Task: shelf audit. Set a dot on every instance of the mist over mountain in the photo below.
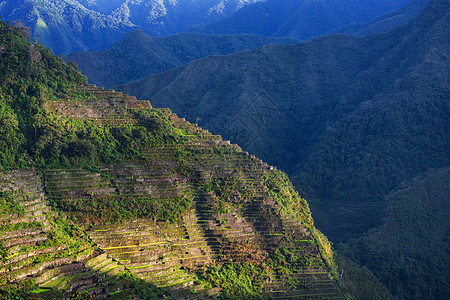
(299, 19)
(139, 55)
(349, 118)
(67, 26)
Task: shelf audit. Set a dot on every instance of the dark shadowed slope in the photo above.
(139, 55)
(410, 252)
(300, 19)
(349, 117)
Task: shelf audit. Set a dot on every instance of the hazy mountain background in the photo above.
(351, 119)
(67, 26)
(386, 21)
(139, 55)
(299, 19)
(361, 123)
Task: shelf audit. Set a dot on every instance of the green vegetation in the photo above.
(349, 119)
(8, 206)
(30, 74)
(237, 280)
(34, 135)
(139, 185)
(284, 260)
(19, 291)
(97, 209)
(282, 190)
(228, 191)
(89, 144)
(246, 266)
(142, 288)
(21, 225)
(285, 194)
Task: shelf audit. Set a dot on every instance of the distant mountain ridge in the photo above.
(349, 118)
(67, 26)
(139, 55)
(299, 19)
(387, 21)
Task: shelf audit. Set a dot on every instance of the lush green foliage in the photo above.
(69, 142)
(284, 260)
(32, 134)
(282, 190)
(29, 74)
(19, 291)
(245, 266)
(228, 191)
(8, 206)
(21, 225)
(237, 280)
(94, 209)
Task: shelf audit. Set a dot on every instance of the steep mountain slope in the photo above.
(139, 55)
(337, 89)
(103, 196)
(299, 19)
(412, 247)
(67, 26)
(387, 21)
(349, 118)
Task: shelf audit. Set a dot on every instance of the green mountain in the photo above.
(409, 253)
(349, 118)
(103, 196)
(387, 21)
(138, 55)
(299, 19)
(67, 26)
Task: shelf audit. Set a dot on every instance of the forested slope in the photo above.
(103, 196)
(387, 21)
(299, 19)
(349, 118)
(138, 55)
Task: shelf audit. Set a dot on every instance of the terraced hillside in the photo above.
(187, 212)
(43, 252)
